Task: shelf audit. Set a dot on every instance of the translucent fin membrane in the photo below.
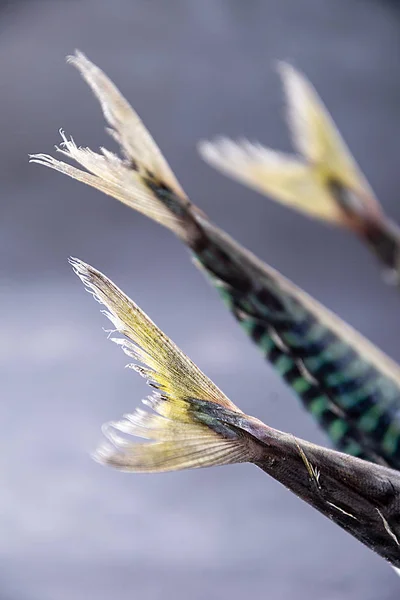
(324, 181)
(179, 440)
(281, 176)
(142, 178)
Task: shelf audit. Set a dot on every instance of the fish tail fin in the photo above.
(178, 446)
(141, 178)
(322, 180)
(283, 177)
(180, 437)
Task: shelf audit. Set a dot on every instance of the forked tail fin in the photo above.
(322, 181)
(179, 440)
(311, 181)
(142, 178)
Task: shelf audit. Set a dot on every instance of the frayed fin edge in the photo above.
(179, 438)
(127, 127)
(114, 177)
(143, 179)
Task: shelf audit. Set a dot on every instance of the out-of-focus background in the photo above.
(193, 69)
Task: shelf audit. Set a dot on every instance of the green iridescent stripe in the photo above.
(283, 364)
(301, 385)
(337, 430)
(318, 407)
(391, 440)
(342, 372)
(353, 448)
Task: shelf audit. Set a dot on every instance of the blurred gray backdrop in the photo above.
(71, 530)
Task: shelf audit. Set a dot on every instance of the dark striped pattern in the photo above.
(358, 406)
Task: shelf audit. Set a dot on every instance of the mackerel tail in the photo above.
(192, 424)
(322, 180)
(349, 386)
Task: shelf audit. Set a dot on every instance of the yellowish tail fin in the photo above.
(323, 182)
(141, 178)
(179, 440)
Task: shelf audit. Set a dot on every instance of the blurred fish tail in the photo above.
(322, 180)
(174, 445)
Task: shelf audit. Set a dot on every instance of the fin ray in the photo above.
(142, 179)
(283, 177)
(325, 182)
(179, 440)
(127, 127)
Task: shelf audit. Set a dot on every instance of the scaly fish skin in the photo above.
(352, 400)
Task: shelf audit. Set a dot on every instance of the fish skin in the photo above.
(351, 398)
(362, 498)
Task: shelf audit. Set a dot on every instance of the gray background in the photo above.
(70, 529)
